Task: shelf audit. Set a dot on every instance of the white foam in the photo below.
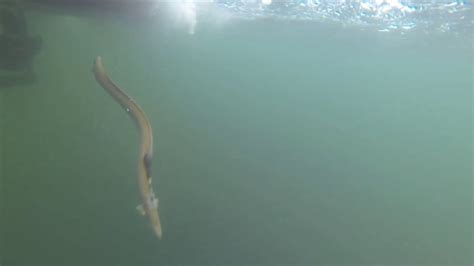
(185, 12)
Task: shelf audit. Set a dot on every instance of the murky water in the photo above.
(277, 142)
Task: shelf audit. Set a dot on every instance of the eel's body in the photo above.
(149, 206)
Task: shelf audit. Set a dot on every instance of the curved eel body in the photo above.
(149, 206)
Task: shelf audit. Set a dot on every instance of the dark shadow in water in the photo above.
(17, 48)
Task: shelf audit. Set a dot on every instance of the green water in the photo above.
(2, 180)
(276, 143)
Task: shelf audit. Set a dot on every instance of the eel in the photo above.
(149, 202)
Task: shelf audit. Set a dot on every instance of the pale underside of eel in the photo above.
(149, 203)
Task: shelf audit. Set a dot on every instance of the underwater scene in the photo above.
(243, 132)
